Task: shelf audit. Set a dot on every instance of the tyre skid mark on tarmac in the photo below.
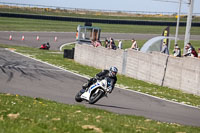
(60, 68)
(29, 71)
(28, 68)
(9, 71)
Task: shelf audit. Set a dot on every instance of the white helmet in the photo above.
(113, 71)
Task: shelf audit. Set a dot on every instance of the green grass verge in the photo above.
(69, 46)
(130, 83)
(19, 114)
(20, 24)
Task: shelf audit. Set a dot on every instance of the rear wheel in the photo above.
(78, 97)
(96, 96)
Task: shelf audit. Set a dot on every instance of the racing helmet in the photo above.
(113, 71)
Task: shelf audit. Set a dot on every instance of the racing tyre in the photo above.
(78, 97)
(96, 96)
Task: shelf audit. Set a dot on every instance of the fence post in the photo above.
(165, 68)
(124, 62)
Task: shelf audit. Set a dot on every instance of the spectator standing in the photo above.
(134, 45)
(199, 53)
(107, 43)
(112, 44)
(120, 44)
(165, 49)
(190, 50)
(177, 51)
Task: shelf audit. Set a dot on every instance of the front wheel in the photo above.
(78, 97)
(96, 96)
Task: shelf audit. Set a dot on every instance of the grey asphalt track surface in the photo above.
(65, 37)
(25, 76)
(28, 77)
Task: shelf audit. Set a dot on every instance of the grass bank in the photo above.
(19, 114)
(130, 83)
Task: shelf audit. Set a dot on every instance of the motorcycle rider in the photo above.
(45, 46)
(111, 73)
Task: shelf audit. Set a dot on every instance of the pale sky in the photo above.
(127, 5)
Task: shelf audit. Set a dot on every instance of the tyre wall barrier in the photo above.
(105, 21)
(178, 73)
(69, 53)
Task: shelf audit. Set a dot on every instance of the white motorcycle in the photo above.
(95, 92)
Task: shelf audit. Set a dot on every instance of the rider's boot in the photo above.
(110, 90)
(88, 84)
(84, 87)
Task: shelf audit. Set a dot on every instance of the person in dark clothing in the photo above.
(107, 45)
(190, 50)
(111, 73)
(112, 44)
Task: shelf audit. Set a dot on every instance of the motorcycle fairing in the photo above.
(86, 94)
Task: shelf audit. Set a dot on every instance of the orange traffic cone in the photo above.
(56, 38)
(10, 37)
(23, 38)
(37, 38)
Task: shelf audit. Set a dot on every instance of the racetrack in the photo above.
(28, 77)
(65, 37)
(30, 38)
